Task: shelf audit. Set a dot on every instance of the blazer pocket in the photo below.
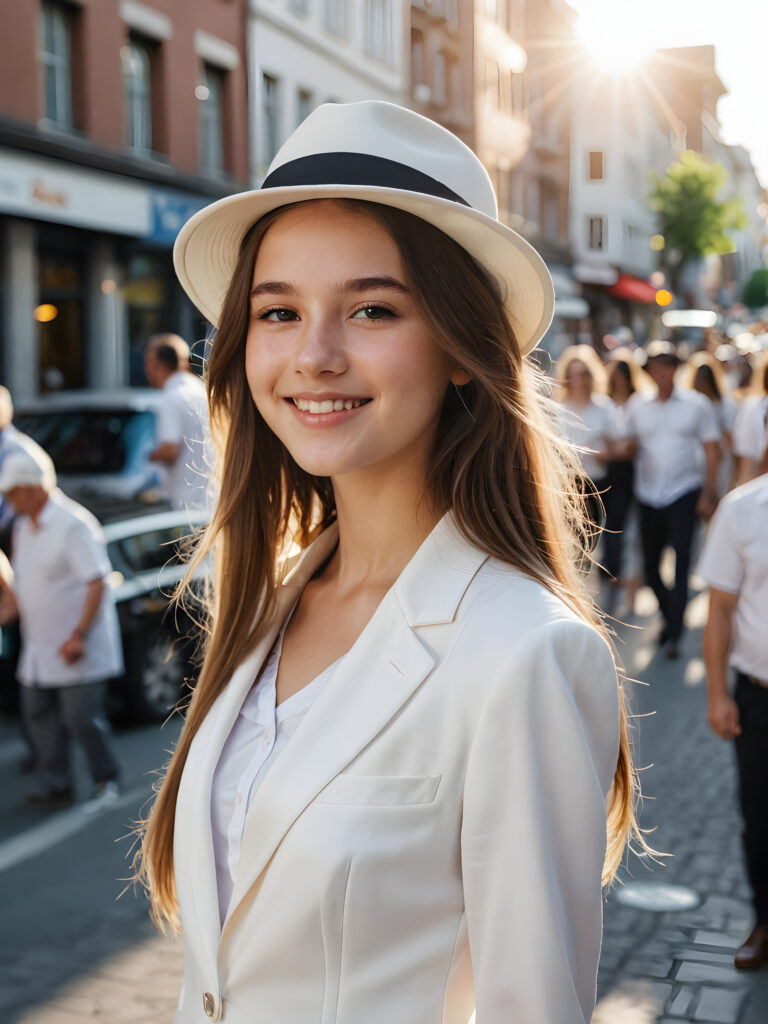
(380, 790)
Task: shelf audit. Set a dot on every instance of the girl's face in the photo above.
(339, 363)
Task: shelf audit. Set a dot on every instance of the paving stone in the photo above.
(719, 1004)
(681, 1001)
(716, 939)
(708, 974)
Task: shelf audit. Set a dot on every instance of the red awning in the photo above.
(632, 288)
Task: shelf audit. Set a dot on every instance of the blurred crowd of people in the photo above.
(661, 440)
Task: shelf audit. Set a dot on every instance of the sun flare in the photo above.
(611, 43)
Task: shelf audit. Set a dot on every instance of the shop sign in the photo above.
(52, 191)
(170, 211)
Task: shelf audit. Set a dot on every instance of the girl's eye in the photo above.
(277, 315)
(372, 312)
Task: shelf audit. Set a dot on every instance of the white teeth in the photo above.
(328, 405)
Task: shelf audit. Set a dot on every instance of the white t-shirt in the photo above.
(260, 734)
(735, 559)
(182, 419)
(670, 461)
(53, 563)
(589, 426)
(749, 427)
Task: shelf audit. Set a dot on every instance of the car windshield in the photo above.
(150, 549)
(94, 440)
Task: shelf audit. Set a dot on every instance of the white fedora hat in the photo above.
(385, 154)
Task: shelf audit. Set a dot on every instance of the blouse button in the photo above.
(239, 798)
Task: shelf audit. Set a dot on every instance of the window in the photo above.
(417, 57)
(304, 105)
(439, 78)
(453, 75)
(378, 41)
(56, 64)
(136, 61)
(596, 232)
(270, 99)
(211, 120)
(336, 16)
(595, 171)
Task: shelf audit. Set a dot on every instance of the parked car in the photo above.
(100, 442)
(158, 638)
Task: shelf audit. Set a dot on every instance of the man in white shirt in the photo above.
(735, 565)
(70, 636)
(182, 421)
(12, 440)
(675, 438)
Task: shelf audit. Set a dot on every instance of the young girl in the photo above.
(388, 802)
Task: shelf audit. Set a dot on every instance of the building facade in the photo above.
(442, 64)
(620, 135)
(118, 120)
(306, 52)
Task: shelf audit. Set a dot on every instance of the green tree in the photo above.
(755, 294)
(695, 221)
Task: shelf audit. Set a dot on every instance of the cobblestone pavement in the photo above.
(91, 957)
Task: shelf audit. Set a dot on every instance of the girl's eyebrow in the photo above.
(354, 284)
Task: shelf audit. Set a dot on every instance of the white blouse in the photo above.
(259, 735)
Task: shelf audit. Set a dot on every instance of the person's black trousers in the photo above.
(617, 501)
(671, 526)
(752, 763)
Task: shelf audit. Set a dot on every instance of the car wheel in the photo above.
(160, 671)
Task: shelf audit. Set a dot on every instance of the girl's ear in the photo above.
(460, 377)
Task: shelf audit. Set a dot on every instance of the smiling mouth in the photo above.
(328, 404)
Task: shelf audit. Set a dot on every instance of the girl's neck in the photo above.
(383, 520)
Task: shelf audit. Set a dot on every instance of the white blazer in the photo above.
(432, 838)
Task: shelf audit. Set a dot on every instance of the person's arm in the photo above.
(73, 647)
(166, 453)
(723, 714)
(533, 834)
(710, 496)
(9, 607)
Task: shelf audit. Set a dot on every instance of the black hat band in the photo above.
(357, 169)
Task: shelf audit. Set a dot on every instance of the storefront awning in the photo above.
(632, 288)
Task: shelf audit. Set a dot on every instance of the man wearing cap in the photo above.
(675, 437)
(735, 565)
(182, 421)
(70, 636)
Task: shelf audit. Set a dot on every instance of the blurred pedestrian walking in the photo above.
(13, 440)
(748, 427)
(69, 629)
(703, 373)
(586, 420)
(676, 439)
(735, 565)
(182, 445)
(620, 560)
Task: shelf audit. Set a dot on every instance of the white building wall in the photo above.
(291, 42)
(620, 125)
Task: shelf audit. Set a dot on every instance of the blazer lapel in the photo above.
(375, 678)
(196, 870)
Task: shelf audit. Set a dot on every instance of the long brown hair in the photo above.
(498, 464)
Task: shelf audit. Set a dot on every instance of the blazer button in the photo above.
(209, 1005)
